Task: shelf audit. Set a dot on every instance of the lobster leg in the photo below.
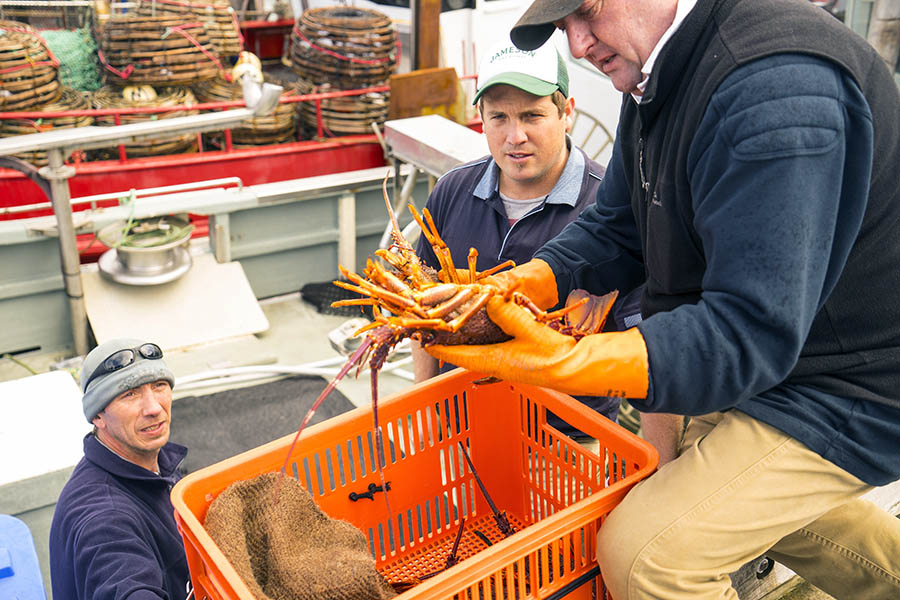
(388, 280)
(452, 304)
(473, 257)
(542, 316)
(473, 308)
(497, 269)
(367, 289)
(429, 230)
(355, 302)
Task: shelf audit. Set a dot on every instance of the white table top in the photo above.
(41, 425)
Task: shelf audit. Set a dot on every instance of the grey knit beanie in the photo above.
(105, 387)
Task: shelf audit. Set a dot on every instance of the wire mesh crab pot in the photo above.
(341, 116)
(278, 127)
(218, 17)
(69, 100)
(345, 46)
(555, 493)
(28, 69)
(164, 50)
(146, 97)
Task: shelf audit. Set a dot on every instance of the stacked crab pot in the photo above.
(277, 127)
(161, 50)
(151, 60)
(343, 48)
(29, 81)
(145, 97)
(217, 17)
(28, 70)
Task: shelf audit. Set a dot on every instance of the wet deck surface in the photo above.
(297, 336)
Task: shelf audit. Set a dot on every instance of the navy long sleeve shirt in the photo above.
(113, 534)
(779, 181)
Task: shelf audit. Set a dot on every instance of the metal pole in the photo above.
(347, 231)
(58, 173)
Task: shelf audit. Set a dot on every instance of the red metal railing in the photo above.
(117, 113)
(87, 244)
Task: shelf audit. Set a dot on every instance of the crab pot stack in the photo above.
(69, 100)
(277, 127)
(344, 48)
(348, 115)
(217, 16)
(163, 50)
(28, 70)
(145, 97)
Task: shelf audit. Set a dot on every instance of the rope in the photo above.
(186, 4)
(20, 363)
(237, 28)
(191, 39)
(121, 74)
(53, 62)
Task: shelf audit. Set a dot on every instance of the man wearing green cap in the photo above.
(113, 533)
(753, 184)
(534, 182)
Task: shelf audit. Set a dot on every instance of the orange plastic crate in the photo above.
(554, 492)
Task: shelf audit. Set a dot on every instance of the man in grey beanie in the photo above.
(113, 533)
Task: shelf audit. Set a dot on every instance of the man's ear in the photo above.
(569, 113)
(98, 421)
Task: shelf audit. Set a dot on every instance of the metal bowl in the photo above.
(150, 254)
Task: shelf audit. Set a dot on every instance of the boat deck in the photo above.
(297, 336)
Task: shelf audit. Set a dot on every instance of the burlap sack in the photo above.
(291, 550)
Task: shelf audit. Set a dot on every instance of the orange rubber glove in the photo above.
(537, 281)
(601, 364)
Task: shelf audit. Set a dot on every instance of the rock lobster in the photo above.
(431, 306)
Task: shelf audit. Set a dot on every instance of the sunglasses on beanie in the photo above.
(123, 358)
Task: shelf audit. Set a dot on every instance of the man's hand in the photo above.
(601, 364)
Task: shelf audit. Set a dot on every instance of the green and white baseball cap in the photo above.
(540, 71)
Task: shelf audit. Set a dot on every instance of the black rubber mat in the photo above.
(321, 294)
(224, 424)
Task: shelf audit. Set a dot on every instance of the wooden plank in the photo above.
(426, 92)
(426, 34)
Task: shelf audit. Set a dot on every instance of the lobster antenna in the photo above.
(499, 516)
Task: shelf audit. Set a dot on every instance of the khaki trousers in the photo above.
(739, 489)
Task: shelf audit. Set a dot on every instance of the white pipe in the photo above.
(250, 373)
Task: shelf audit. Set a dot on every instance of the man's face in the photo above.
(617, 36)
(136, 423)
(527, 138)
